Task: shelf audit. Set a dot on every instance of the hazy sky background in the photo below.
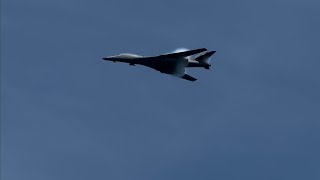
(67, 114)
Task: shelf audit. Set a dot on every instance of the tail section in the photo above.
(188, 77)
(204, 57)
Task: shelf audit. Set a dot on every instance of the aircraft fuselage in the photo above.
(174, 64)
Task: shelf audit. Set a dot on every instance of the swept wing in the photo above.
(180, 54)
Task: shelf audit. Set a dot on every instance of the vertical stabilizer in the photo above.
(205, 57)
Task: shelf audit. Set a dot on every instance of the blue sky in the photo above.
(66, 114)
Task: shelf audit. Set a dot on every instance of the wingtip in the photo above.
(212, 52)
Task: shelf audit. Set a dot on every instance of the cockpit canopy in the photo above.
(127, 56)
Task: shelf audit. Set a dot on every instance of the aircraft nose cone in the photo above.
(106, 58)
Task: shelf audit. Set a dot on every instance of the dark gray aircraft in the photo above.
(174, 63)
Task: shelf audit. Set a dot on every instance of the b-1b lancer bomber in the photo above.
(174, 63)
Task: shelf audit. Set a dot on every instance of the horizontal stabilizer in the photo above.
(188, 77)
(182, 54)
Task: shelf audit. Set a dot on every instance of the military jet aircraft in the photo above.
(174, 63)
